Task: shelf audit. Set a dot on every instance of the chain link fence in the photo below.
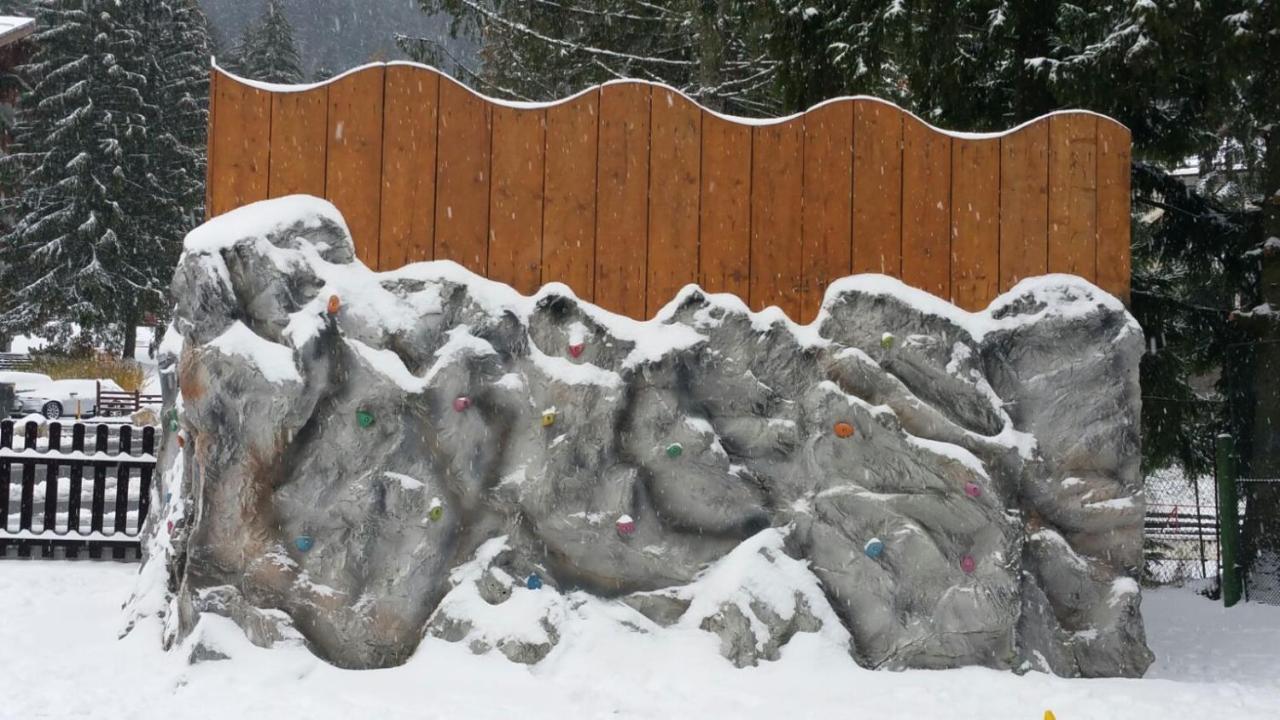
(1261, 564)
(1180, 540)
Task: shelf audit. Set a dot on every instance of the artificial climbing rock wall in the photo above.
(356, 460)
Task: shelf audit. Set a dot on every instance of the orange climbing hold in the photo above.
(334, 304)
(844, 430)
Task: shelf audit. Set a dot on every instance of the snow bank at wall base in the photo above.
(370, 458)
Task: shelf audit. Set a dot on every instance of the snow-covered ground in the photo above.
(59, 621)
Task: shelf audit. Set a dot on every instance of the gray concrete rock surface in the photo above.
(342, 448)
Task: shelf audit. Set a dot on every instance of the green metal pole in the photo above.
(1229, 520)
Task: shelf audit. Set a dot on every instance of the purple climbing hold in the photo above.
(968, 564)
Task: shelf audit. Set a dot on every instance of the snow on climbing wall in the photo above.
(366, 458)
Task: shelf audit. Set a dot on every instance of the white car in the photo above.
(42, 395)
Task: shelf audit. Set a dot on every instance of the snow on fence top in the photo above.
(628, 191)
(13, 29)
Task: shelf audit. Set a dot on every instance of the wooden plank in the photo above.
(877, 188)
(674, 181)
(975, 222)
(1113, 261)
(210, 153)
(724, 238)
(569, 211)
(1024, 204)
(515, 205)
(462, 177)
(777, 190)
(241, 149)
(353, 180)
(410, 116)
(926, 208)
(299, 132)
(623, 197)
(1073, 186)
(827, 215)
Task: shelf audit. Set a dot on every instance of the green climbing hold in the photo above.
(364, 418)
(436, 513)
(674, 450)
(172, 417)
(886, 341)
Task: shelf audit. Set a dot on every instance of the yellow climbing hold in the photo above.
(1048, 715)
(548, 418)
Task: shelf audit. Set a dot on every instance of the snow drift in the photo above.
(354, 460)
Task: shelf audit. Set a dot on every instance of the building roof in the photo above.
(13, 28)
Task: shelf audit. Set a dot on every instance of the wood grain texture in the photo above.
(569, 215)
(975, 222)
(827, 217)
(1024, 204)
(462, 177)
(629, 191)
(926, 208)
(777, 191)
(724, 250)
(674, 180)
(353, 178)
(877, 188)
(299, 142)
(409, 167)
(515, 205)
(1114, 168)
(1073, 187)
(241, 149)
(622, 202)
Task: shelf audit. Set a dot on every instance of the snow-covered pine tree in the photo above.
(181, 85)
(713, 50)
(267, 50)
(93, 242)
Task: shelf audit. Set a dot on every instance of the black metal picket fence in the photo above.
(86, 491)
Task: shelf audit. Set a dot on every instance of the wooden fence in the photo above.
(628, 191)
(46, 488)
(12, 361)
(123, 402)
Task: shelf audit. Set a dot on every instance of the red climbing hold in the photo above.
(972, 489)
(576, 349)
(626, 525)
(968, 564)
(462, 402)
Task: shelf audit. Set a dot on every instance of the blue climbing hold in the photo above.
(534, 582)
(874, 548)
(304, 543)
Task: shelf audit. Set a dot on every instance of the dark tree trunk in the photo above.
(1262, 499)
(130, 337)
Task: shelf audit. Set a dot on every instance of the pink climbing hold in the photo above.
(972, 489)
(576, 349)
(968, 564)
(462, 402)
(170, 527)
(626, 525)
